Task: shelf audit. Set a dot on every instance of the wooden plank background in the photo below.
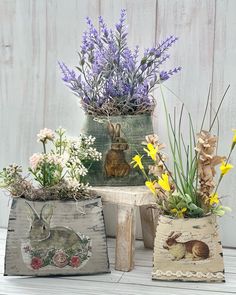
(35, 34)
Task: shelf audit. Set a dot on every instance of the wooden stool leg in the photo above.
(149, 223)
(125, 237)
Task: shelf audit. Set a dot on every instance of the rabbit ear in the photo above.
(31, 214)
(46, 212)
(117, 130)
(111, 130)
(171, 234)
(177, 236)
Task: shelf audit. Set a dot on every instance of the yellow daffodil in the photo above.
(137, 161)
(164, 182)
(214, 199)
(234, 138)
(225, 168)
(151, 151)
(179, 213)
(151, 186)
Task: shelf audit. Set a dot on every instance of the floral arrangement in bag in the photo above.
(191, 190)
(58, 173)
(111, 79)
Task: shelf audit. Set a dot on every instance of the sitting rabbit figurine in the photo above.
(43, 237)
(194, 249)
(115, 162)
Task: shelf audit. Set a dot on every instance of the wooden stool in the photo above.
(128, 199)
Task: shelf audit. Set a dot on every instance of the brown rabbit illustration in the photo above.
(43, 236)
(195, 249)
(115, 162)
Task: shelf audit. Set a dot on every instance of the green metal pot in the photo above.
(119, 140)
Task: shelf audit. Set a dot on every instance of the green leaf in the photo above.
(220, 210)
(143, 61)
(79, 69)
(195, 211)
(82, 61)
(188, 198)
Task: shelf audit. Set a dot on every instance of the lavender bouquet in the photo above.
(111, 79)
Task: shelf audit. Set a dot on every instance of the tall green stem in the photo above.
(44, 147)
(170, 141)
(217, 111)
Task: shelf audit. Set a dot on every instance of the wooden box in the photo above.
(56, 238)
(188, 249)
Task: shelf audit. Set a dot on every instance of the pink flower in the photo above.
(45, 134)
(55, 159)
(36, 263)
(75, 261)
(60, 259)
(35, 160)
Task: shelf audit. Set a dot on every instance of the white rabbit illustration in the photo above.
(194, 249)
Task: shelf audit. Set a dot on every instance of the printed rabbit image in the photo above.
(115, 162)
(44, 237)
(194, 249)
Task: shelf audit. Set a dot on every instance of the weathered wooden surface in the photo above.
(138, 196)
(70, 222)
(125, 238)
(127, 199)
(130, 195)
(32, 94)
(135, 282)
(22, 82)
(224, 67)
(34, 37)
(148, 217)
(188, 250)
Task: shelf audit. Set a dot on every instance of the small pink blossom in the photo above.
(45, 134)
(36, 263)
(55, 159)
(35, 160)
(75, 261)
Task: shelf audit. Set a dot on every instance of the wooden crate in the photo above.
(56, 238)
(188, 249)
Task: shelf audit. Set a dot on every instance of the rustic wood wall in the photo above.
(35, 34)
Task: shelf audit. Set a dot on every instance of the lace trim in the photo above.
(189, 274)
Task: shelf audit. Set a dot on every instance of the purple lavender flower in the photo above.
(120, 24)
(69, 75)
(165, 45)
(103, 27)
(110, 72)
(166, 75)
